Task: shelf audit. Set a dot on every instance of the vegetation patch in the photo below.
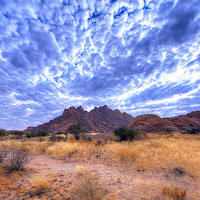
(89, 187)
(125, 133)
(175, 193)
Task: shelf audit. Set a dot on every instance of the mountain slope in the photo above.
(101, 120)
(154, 123)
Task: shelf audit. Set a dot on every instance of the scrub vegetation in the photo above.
(100, 170)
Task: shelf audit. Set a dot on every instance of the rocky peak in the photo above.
(117, 111)
(154, 123)
(194, 114)
(101, 119)
(80, 109)
(104, 109)
(71, 110)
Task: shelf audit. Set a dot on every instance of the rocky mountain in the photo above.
(154, 123)
(100, 120)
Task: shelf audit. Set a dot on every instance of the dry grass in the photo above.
(27, 145)
(9, 184)
(63, 150)
(156, 152)
(81, 170)
(160, 153)
(89, 187)
(40, 184)
(175, 193)
(111, 196)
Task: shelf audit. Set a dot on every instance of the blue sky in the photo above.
(137, 56)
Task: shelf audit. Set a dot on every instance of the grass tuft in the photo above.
(175, 193)
(39, 185)
(89, 187)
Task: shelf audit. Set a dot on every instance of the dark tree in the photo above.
(125, 133)
(76, 130)
(3, 132)
(168, 131)
(193, 131)
(38, 134)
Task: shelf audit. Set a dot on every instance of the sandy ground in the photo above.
(125, 181)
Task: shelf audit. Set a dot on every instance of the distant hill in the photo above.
(100, 120)
(154, 123)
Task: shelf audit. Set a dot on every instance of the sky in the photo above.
(137, 56)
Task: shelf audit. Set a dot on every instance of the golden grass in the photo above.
(81, 170)
(9, 183)
(175, 193)
(159, 153)
(63, 150)
(89, 187)
(156, 152)
(26, 145)
(111, 196)
(40, 184)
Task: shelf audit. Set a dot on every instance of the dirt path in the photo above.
(126, 183)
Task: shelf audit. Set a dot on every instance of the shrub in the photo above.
(3, 132)
(193, 131)
(17, 133)
(39, 184)
(38, 134)
(179, 171)
(175, 193)
(16, 160)
(168, 131)
(86, 137)
(99, 142)
(89, 187)
(111, 196)
(3, 153)
(76, 130)
(55, 138)
(42, 133)
(125, 133)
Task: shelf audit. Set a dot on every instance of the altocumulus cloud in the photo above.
(137, 56)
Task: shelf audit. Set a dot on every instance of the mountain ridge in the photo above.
(101, 120)
(154, 123)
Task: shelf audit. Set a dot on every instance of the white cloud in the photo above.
(60, 53)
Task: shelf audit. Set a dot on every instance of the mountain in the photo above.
(154, 123)
(100, 120)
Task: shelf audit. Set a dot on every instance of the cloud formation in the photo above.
(137, 56)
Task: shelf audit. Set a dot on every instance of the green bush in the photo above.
(3, 132)
(42, 133)
(38, 134)
(168, 131)
(76, 130)
(193, 131)
(18, 133)
(125, 133)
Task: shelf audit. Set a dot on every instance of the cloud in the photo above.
(137, 56)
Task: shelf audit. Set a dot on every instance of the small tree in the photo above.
(193, 131)
(16, 159)
(168, 131)
(76, 130)
(42, 133)
(125, 133)
(3, 132)
(37, 134)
